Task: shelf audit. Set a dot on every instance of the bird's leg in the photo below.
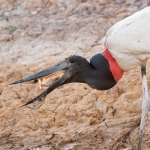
(145, 105)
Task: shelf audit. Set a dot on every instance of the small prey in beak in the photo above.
(48, 80)
(75, 69)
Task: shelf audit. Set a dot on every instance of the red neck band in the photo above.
(117, 72)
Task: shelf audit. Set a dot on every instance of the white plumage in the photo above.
(129, 40)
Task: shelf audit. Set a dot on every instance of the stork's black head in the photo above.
(97, 74)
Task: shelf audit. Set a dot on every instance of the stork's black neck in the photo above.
(105, 73)
(102, 73)
(99, 75)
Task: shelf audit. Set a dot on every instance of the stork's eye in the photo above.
(72, 60)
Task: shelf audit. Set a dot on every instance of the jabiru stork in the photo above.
(126, 46)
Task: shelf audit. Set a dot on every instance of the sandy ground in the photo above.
(38, 33)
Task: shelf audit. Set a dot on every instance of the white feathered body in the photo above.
(128, 41)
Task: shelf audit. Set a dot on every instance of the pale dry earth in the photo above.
(38, 33)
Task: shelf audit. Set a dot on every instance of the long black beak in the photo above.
(57, 67)
(63, 65)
